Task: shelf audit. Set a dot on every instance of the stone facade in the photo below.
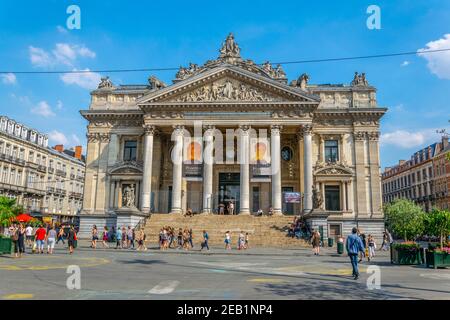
(323, 138)
(45, 181)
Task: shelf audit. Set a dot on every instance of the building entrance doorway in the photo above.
(229, 190)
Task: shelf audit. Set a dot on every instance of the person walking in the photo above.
(94, 237)
(29, 235)
(205, 240)
(354, 246)
(71, 239)
(21, 241)
(363, 240)
(231, 208)
(246, 245)
(227, 241)
(191, 237)
(40, 239)
(105, 237)
(124, 238)
(241, 241)
(372, 246)
(51, 240)
(315, 241)
(61, 235)
(14, 235)
(118, 238)
(384, 244)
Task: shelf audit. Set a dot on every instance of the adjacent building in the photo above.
(46, 181)
(423, 179)
(324, 139)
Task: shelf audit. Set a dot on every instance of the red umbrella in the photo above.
(24, 217)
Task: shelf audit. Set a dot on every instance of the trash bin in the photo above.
(330, 242)
(340, 246)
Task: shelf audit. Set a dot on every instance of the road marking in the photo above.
(266, 280)
(436, 276)
(18, 296)
(82, 262)
(164, 287)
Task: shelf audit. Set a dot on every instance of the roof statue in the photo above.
(230, 48)
(360, 80)
(105, 83)
(155, 83)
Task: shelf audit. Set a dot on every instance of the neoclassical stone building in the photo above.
(323, 138)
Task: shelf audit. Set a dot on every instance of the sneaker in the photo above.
(356, 277)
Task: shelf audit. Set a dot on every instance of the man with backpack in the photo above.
(354, 245)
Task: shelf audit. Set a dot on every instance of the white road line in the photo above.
(164, 287)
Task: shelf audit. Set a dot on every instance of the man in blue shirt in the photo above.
(205, 240)
(118, 238)
(354, 245)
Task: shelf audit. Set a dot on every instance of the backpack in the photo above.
(15, 235)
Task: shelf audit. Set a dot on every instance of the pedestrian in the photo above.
(133, 237)
(246, 245)
(71, 239)
(180, 238)
(105, 237)
(363, 240)
(371, 246)
(227, 241)
(354, 246)
(186, 239)
(221, 208)
(94, 237)
(40, 239)
(51, 240)
(124, 238)
(29, 235)
(240, 241)
(61, 235)
(14, 235)
(205, 240)
(21, 241)
(385, 243)
(315, 241)
(191, 242)
(231, 208)
(118, 238)
(129, 237)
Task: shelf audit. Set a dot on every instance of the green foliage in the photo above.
(404, 218)
(437, 223)
(7, 210)
(406, 246)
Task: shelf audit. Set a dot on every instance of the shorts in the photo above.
(40, 243)
(29, 238)
(51, 243)
(94, 238)
(71, 243)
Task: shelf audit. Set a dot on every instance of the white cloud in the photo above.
(406, 139)
(405, 63)
(39, 57)
(62, 54)
(43, 109)
(9, 78)
(59, 105)
(75, 139)
(438, 62)
(58, 137)
(61, 29)
(87, 80)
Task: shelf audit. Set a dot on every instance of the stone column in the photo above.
(112, 185)
(244, 146)
(360, 164)
(344, 196)
(177, 172)
(275, 155)
(208, 160)
(308, 174)
(375, 175)
(146, 189)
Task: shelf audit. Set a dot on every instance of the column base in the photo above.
(176, 211)
(244, 213)
(277, 213)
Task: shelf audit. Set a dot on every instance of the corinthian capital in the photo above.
(373, 136)
(307, 129)
(360, 135)
(276, 129)
(178, 129)
(149, 129)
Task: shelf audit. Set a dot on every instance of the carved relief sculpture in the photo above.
(129, 197)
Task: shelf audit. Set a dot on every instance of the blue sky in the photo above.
(146, 34)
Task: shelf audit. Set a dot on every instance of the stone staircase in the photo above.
(263, 231)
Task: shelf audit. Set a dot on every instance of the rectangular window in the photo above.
(332, 198)
(129, 153)
(331, 150)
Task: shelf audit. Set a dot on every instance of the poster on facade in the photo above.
(192, 164)
(260, 158)
(292, 197)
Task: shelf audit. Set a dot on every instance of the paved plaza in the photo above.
(218, 274)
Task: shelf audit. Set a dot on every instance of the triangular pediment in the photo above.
(227, 84)
(126, 167)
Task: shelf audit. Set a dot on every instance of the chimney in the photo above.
(444, 142)
(59, 147)
(78, 150)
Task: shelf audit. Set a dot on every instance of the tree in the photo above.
(7, 211)
(437, 223)
(404, 218)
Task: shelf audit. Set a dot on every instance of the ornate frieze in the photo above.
(292, 114)
(166, 115)
(98, 137)
(227, 90)
(335, 168)
(360, 135)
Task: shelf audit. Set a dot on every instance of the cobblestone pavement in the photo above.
(218, 274)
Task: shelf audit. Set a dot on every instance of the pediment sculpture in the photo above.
(360, 80)
(129, 197)
(105, 83)
(227, 90)
(329, 168)
(230, 48)
(127, 167)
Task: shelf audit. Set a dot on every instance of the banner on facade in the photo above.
(292, 197)
(193, 170)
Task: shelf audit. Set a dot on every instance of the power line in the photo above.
(385, 55)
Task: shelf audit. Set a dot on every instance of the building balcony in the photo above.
(42, 168)
(50, 190)
(32, 165)
(75, 195)
(51, 170)
(80, 178)
(72, 176)
(61, 173)
(61, 192)
(35, 191)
